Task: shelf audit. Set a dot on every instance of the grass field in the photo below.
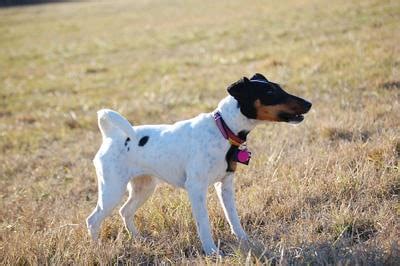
(325, 191)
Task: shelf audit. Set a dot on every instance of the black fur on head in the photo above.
(259, 77)
(248, 91)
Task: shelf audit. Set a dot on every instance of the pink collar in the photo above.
(226, 131)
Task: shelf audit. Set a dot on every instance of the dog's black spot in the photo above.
(243, 134)
(127, 140)
(229, 157)
(143, 141)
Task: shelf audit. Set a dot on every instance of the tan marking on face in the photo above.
(270, 112)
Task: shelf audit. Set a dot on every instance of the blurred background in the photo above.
(10, 3)
(325, 191)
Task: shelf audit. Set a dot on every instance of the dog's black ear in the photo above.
(238, 89)
(259, 76)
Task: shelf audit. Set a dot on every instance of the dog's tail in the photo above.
(111, 123)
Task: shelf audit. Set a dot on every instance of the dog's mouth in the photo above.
(291, 118)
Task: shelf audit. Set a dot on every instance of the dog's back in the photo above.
(163, 151)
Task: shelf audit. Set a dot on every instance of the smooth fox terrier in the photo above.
(190, 154)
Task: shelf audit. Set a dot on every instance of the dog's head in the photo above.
(261, 99)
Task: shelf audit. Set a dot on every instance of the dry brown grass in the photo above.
(326, 191)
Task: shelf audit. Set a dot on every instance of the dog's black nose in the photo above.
(307, 105)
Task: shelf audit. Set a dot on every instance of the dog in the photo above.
(190, 154)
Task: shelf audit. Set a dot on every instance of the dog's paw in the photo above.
(135, 236)
(217, 254)
(212, 250)
(255, 247)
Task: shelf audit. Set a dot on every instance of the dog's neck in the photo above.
(233, 117)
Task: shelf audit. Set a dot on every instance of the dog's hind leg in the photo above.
(111, 188)
(140, 189)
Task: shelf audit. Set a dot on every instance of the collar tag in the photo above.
(242, 156)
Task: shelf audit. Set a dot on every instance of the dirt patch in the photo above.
(336, 134)
(390, 85)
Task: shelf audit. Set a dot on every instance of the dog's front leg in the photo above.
(226, 195)
(197, 194)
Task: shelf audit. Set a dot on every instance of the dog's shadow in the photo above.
(323, 253)
(253, 250)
